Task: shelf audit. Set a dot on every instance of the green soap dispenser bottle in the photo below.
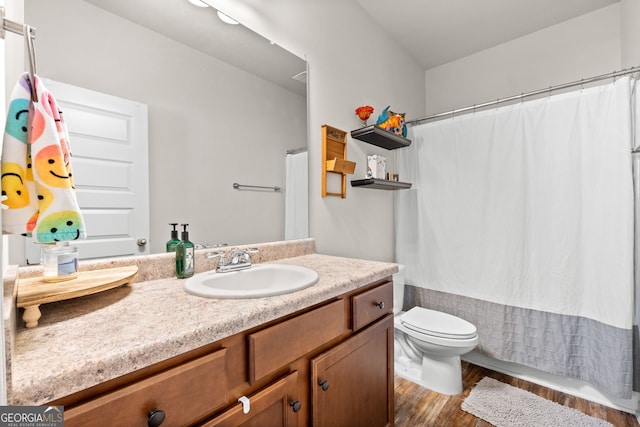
(171, 244)
(185, 260)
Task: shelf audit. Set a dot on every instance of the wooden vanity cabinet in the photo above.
(329, 365)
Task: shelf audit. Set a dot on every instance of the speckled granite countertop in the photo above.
(89, 340)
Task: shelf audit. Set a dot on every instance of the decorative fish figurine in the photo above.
(393, 122)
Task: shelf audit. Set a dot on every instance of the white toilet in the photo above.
(428, 344)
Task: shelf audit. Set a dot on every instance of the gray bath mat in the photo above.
(506, 406)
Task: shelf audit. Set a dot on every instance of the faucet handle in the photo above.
(242, 255)
(249, 251)
(220, 254)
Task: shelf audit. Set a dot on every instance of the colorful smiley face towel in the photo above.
(37, 180)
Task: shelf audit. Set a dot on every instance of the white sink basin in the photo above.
(261, 280)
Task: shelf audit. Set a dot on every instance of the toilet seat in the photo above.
(438, 324)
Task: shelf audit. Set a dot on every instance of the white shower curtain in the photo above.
(521, 221)
(296, 222)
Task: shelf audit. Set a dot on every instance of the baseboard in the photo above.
(571, 386)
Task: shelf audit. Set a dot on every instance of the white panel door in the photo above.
(109, 145)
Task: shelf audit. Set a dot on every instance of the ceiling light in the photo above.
(224, 18)
(198, 3)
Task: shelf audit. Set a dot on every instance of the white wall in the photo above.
(215, 123)
(351, 63)
(583, 47)
(630, 16)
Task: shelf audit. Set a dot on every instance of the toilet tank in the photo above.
(398, 289)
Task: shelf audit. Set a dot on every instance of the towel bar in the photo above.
(239, 186)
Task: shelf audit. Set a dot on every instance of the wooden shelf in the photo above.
(341, 166)
(334, 159)
(380, 184)
(375, 135)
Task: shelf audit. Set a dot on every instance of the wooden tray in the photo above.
(34, 291)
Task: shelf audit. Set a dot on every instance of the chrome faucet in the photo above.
(240, 260)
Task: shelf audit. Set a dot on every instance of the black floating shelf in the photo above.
(380, 184)
(375, 135)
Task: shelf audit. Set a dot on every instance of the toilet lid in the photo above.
(437, 323)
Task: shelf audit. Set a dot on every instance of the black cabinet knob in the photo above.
(379, 304)
(295, 405)
(155, 417)
(324, 385)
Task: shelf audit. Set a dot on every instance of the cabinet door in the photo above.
(273, 406)
(352, 384)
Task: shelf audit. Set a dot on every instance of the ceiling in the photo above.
(436, 32)
(200, 28)
(432, 32)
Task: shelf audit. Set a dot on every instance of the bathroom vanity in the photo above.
(322, 356)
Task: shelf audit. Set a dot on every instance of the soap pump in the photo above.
(171, 244)
(185, 260)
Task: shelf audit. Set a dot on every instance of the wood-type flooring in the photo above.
(417, 406)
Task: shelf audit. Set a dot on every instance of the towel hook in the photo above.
(31, 59)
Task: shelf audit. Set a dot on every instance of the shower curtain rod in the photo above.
(550, 89)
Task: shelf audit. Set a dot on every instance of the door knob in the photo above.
(295, 405)
(379, 304)
(155, 417)
(142, 242)
(324, 385)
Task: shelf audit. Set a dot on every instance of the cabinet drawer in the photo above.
(372, 305)
(186, 394)
(273, 348)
